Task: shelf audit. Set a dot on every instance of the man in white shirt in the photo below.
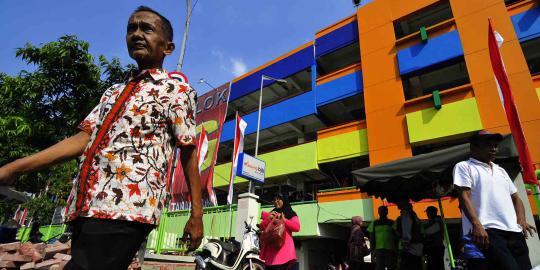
(494, 213)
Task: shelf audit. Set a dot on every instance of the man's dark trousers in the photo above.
(507, 251)
(105, 244)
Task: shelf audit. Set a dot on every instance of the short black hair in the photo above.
(166, 26)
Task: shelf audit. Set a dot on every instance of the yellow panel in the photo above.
(452, 119)
(342, 146)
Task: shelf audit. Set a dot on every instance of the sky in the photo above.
(226, 38)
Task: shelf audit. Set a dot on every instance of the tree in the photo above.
(42, 107)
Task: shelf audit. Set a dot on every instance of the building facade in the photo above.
(394, 80)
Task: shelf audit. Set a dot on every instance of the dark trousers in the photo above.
(435, 257)
(355, 265)
(278, 267)
(410, 261)
(105, 244)
(507, 251)
(385, 259)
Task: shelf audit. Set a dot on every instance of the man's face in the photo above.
(485, 150)
(147, 43)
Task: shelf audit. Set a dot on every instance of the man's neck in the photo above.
(488, 162)
(142, 66)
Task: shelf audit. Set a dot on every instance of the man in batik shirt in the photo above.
(125, 146)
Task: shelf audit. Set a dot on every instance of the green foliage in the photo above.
(42, 107)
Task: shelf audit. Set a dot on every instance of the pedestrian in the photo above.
(409, 231)
(383, 241)
(357, 244)
(124, 145)
(284, 257)
(494, 214)
(434, 240)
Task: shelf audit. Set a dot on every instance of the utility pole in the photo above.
(184, 38)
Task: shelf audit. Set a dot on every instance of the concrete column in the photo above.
(248, 211)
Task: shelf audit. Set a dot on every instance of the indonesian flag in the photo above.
(23, 216)
(495, 41)
(238, 148)
(202, 147)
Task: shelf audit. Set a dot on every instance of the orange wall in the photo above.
(472, 22)
(385, 104)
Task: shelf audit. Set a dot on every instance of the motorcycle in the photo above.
(232, 255)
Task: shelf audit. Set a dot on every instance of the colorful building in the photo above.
(394, 80)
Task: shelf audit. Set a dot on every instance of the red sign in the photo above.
(211, 112)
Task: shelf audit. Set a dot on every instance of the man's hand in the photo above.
(480, 236)
(193, 232)
(527, 229)
(7, 175)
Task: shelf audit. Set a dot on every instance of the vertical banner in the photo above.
(211, 113)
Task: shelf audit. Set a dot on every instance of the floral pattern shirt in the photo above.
(127, 175)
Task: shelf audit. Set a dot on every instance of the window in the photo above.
(424, 82)
(426, 17)
(338, 59)
(531, 50)
(297, 83)
(511, 2)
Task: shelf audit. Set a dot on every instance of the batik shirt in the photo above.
(127, 177)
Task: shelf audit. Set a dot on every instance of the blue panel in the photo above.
(527, 24)
(281, 69)
(436, 50)
(279, 113)
(336, 39)
(339, 88)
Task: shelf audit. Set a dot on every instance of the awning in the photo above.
(420, 177)
(7, 194)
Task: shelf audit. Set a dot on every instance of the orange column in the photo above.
(383, 91)
(472, 22)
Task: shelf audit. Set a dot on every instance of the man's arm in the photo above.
(66, 149)
(479, 234)
(520, 213)
(194, 226)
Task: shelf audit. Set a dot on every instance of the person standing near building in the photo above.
(383, 241)
(494, 213)
(357, 244)
(124, 145)
(409, 231)
(433, 240)
(284, 257)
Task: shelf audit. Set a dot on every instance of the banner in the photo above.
(495, 40)
(211, 113)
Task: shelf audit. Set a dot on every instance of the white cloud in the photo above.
(238, 66)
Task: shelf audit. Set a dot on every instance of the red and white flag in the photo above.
(16, 215)
(23, 216)
(495, 41)
(202, 147)
(238, 148)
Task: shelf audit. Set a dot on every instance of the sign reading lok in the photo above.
(251, 168)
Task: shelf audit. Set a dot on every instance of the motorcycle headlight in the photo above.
(255, 242)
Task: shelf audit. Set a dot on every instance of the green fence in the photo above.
(47, 232)
(167, 237)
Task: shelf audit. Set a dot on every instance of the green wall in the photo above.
(294, 159)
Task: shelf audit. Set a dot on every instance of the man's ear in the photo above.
(169, 48)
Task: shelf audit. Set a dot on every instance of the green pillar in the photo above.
(446, 237)
(160, 233)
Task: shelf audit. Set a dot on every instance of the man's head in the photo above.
(149, 37)
(383, 211)
(404, 204)
(484, 145)
(431, 212)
